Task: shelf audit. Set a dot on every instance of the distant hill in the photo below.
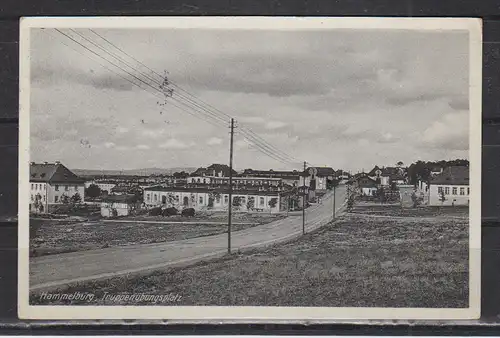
(132, 172)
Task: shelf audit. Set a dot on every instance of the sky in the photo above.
(349, 99)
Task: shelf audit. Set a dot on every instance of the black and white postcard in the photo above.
(250, 169)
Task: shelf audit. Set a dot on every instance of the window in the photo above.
(468, 191)
(32, 186)
(56, 198)
(148, 197)
(261, 201)
(454, 190)
(226, 199)
(32, 197)
(201, 199)
(217, 198)
(57, 188)
(462, 191)
(43, 197)
(76, 187)
(66, 188)
(440, 190)
(156, 197)
(177, 198)
(446, 190)
(243, 200)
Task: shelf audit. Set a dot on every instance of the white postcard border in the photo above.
(251, 314)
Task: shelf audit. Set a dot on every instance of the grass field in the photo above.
(56, 236)
(358, 261)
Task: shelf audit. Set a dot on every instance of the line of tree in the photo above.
(421, 170)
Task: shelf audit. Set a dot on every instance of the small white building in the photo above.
(451, 187)
(52, 184)
(117, 205)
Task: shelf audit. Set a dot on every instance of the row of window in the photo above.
(56, 198)
(37, 186)
(201, 199)
(237, 181)
(66, 187)
(454, 191)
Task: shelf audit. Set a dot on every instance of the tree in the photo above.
(64, 199)
(400, 164)
(38, 203)
(272, 202)
(442, 197)
(236, 201)
(330, 184)
(75, 199)
(415, 199)
(170, 198)
(93, 191)
(250, 203)
(381, 194)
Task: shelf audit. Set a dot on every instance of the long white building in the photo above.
(202, 198)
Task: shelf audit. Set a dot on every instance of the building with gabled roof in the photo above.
(386, 176)
(451, 187)
(53, 184)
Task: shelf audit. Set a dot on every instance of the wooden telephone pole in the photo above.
(304, 201)
(230, 207)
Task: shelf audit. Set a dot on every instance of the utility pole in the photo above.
(304, 201)
(230, 188)
(334, 201)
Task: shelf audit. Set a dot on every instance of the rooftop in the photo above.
(454, 175)
(53, 173)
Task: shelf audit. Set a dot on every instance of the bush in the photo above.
(155, 211)
(188, 212)
(170, 212)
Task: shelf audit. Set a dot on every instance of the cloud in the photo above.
(143, 147)
(275, 124)
(153, 133)
(214, 141)
(450, 132)
(175, 144)
(459, 103)
(122, 148)
(242, 144)
(252, 119)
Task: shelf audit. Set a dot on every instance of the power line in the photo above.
(138, 85)
(257, 139)
(117, 66)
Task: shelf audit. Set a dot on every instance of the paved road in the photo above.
(50, 271)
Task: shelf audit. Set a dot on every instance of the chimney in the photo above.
(57, 162)
(32, 163)
(45, 162)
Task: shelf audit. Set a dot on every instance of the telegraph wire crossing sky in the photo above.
(348, 99)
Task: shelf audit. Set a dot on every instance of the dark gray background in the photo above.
(11, 10)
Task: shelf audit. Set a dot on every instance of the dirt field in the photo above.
(55, 236)
(356, 261)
